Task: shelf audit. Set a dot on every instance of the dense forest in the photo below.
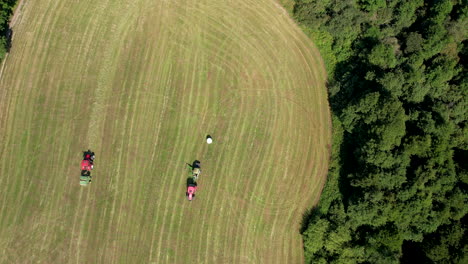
(6, 10)
(398, 181)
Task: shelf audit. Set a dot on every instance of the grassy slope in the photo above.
(142, 83)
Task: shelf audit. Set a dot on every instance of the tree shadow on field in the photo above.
(9, 37)
(5, 42)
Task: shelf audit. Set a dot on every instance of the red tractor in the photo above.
(87, 165)
(194, 172)
(191, 188)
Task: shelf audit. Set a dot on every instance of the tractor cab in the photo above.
(88, 155)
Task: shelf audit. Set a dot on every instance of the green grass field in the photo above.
(142, 83)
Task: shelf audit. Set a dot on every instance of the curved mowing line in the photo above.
(161, 75)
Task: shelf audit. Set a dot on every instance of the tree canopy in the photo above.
(6, 9)
(397, 185)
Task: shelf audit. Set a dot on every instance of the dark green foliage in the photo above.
(447, 245)
(397, 185)
(6, 9)
(382, 55)
(414, 42)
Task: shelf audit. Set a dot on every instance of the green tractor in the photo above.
(195, 169)
(85, 177)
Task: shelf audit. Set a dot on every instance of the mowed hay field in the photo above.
(142, 83)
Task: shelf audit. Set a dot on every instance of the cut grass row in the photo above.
(142, 83)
